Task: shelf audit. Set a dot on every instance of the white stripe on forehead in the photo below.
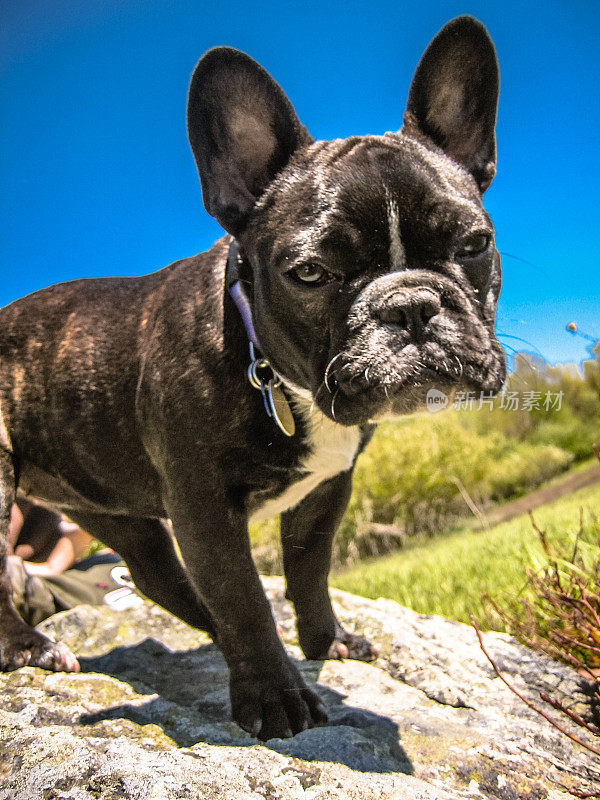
(397, 254)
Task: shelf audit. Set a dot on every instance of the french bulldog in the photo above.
(355, 275)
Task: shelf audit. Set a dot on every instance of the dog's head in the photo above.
(369, 262)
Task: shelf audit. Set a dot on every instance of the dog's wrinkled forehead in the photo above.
(385, 199)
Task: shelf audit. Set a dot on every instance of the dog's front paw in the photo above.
(31, 649)
(270, 707)
(328, 639)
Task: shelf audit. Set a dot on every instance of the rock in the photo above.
(148, 717)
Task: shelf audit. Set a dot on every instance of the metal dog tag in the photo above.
(276, 403)
(280, 408)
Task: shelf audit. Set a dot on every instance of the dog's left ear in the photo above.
(454, 96)
(242, 130)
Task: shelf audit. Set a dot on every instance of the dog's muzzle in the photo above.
(408, 333)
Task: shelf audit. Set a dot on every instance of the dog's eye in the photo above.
(475, 245)
(311, 273)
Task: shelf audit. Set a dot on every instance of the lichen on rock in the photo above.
(149, 716)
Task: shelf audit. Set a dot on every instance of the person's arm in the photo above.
(71, 547)
(15, 525)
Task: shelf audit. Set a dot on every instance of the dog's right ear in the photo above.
(242, 130)
(454, 95)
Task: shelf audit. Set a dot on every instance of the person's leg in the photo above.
(39, 532)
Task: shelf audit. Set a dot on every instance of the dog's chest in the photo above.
(332, 449)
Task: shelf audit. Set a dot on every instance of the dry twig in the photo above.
(528, 702)
(558, 705)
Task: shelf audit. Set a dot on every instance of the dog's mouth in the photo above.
(380, 384)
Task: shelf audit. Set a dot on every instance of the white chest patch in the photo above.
(333, 448)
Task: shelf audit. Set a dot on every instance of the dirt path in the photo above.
(533, 500)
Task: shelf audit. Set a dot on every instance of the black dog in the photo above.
(364, 273)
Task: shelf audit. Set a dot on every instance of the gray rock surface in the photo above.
(148, 717)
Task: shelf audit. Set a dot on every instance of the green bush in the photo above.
(573, 426)
(412, 474)
(566, 431)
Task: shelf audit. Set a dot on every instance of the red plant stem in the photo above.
(587, 604)
(577, 663)
(527, 702)
(560, 706)
(562, 638)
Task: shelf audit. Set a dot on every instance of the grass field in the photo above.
(449, 575)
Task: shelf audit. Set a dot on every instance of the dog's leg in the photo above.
(20, 644)
(306, 535)
(147, 548)
(268, 695)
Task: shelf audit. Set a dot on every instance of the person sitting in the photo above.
(50, 570)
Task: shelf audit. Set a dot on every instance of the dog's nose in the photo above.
(410, 310)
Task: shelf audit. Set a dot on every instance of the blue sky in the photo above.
(97, 177)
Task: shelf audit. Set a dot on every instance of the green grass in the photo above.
(449, 576)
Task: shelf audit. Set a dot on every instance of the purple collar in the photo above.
(238, 293)
(261, 374)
